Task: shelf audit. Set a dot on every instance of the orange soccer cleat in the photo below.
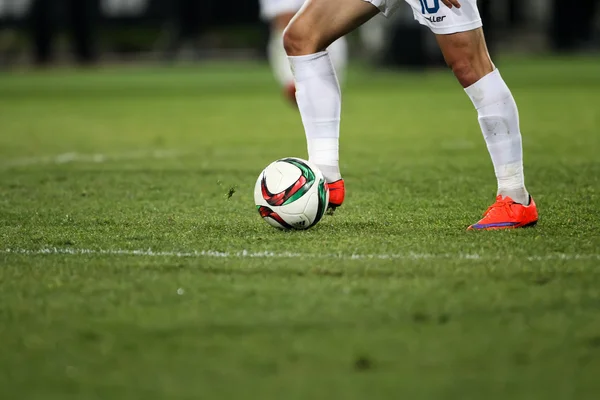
(337, 193)
(506, 214)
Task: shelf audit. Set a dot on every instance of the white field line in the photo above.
(97, 158)
(245, 254)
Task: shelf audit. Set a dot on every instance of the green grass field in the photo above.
(128, 272)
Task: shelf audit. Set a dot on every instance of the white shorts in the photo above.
(269, 9)
(434, 14)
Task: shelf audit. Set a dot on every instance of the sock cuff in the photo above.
(308, 57)
(488, 90)
(312, 65)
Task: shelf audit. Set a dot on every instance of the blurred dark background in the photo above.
(47, 32)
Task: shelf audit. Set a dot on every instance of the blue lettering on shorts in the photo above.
(430, 10)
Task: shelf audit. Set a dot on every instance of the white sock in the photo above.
(278, 59)
(338, 51)
(499, 121)
(320, 102)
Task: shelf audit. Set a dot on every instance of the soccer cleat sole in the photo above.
(499, 228)
(530, 225)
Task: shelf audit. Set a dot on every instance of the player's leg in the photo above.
(466, 53)
(461, 39)
(318, 24)
(279, 13)
(277, 57)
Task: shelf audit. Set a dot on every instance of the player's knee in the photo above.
(468, 57)
(465, 71)
(298, 41)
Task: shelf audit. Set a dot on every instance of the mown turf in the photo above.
(139, 159)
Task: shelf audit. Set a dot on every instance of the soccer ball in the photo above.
(291, 193)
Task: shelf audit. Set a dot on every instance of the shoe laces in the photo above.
(502, 206)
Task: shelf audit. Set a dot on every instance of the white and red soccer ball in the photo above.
(291, 193)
